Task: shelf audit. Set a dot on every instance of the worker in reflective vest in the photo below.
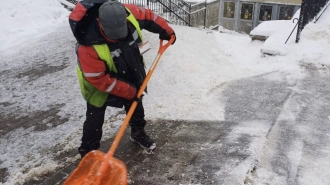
(110, 67)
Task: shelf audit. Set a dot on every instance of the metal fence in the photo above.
(309, 11)
(173, 11)
(176, 12)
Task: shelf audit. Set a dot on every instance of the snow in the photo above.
(192, 73)
(267, 28)
(280, 31)
(23, 21)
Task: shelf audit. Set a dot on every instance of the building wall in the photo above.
(244, 15)
(213, 16)
(293, 2)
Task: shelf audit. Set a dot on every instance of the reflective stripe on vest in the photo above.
(91, 94)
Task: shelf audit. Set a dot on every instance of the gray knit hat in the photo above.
(112, 16)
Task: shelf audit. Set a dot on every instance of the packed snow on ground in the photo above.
(199, 61)
(23, 21)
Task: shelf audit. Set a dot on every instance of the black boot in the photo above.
(82, 151)
(139, 136)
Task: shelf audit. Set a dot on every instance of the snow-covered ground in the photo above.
(36, 37)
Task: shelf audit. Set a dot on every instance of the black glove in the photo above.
(165, 36)
(138, 99)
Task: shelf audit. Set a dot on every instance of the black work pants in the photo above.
(92, 130)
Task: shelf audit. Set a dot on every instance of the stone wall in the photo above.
(197, 16)
(200, 17)
(212, 14)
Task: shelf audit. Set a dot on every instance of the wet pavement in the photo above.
(255, 133)
(223, 152)
(199, 152)
(179, 151)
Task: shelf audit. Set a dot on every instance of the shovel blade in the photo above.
(87, 172)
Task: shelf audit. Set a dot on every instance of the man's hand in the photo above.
(138, 99)
(165, 36)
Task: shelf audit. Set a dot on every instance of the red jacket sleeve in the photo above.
(149, 20)
(94, 70)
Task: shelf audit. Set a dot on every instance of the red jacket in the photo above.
(87, 32)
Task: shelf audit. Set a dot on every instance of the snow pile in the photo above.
(23, 20)
(317, 37)
(267, 28)
(277, 32)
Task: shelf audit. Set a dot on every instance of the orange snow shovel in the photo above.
(98, 168)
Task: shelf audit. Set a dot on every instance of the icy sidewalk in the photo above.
(203, 152)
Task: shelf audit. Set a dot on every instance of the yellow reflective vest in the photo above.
(90, 93)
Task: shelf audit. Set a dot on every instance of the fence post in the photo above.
(293, 29)
(189, 14)
(205, 14)
(301, 20)
(170, 8)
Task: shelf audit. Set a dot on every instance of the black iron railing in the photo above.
(173, 11)
(178, 12)
(309, 12)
